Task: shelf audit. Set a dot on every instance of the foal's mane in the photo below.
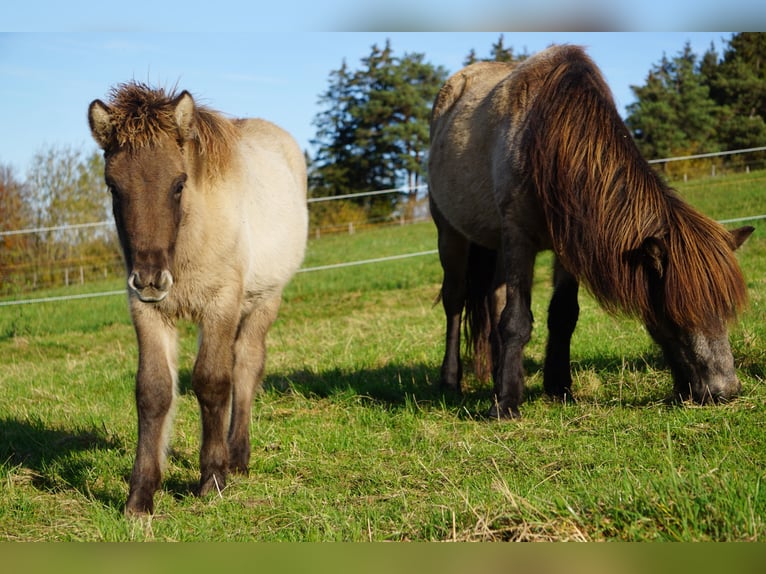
(603, 203)
(142, 115)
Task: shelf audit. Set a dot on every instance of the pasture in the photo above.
(351, 442)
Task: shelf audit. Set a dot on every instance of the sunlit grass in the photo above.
(350, 440)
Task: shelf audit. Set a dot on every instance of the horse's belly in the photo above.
(475, 219)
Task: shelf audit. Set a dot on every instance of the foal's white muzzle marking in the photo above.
(152, 293)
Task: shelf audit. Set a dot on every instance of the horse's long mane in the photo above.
(602, 201)
(141, 115)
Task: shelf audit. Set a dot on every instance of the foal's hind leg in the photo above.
(562, 319)
(249, 361)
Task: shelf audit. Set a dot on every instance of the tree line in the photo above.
(691, 104)
(372, 134)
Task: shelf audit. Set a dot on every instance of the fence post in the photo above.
(82, 276)
(66, 276)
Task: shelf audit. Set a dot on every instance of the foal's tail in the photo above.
(478, 314)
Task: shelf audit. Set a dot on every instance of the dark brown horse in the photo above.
(534, 156)
(212, 219)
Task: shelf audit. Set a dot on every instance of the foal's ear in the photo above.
(740, 235)
(100, 120)
(184, 114)
(655, 254)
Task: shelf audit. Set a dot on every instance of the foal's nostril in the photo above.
(165, 280)
(151, 287)
(134, 281)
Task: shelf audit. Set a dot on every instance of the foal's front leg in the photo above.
(155, 389)
(211, 380)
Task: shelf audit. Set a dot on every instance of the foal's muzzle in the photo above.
(150, 287)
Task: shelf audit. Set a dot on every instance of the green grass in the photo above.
(350, 441)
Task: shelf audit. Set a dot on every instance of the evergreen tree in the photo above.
(674, 113)
(738, 86)
(498, 53)
(373, 132)
(331, 169)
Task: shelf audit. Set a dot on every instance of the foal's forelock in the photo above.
(143, 117)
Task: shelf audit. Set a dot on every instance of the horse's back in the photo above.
(463, 138)
(271, 211)
(476, 162)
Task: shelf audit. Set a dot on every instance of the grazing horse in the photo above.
(212, 219)
(534, 156)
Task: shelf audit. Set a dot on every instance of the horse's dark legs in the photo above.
(211, 380)
(453, 253)
(515, 326)
(562, 319)
(155, 383)
(249, 361)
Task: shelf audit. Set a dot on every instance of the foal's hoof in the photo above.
(138, 505)
(497, 412)
(214, 483)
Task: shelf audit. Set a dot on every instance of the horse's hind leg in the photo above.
(249, 361)
(515, 325)
(562, 319)
(453, 254)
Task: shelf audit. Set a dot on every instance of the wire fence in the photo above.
(72, 271)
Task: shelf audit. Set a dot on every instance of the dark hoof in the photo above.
(239, 460)
(215, 483)
(564, 398)
(139, 504)
(449, 389)
(239, 468)
(497, 412)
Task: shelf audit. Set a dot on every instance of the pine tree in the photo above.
(373, 132)
(498, 53)
(738, 86)
(674, 113)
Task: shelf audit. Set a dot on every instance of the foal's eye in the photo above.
(178, 188)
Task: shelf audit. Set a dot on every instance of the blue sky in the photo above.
(47, 79)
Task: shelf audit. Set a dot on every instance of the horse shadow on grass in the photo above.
(56, 459)
(398, 385)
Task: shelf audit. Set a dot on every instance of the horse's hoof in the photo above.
(211, 484)
(564, 398)
(239, 468)
(139, 505)
(497, 412)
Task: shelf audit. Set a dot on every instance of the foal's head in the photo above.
(143, 134)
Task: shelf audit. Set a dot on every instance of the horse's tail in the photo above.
(478, 319)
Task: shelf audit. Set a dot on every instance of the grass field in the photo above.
(350, 440)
